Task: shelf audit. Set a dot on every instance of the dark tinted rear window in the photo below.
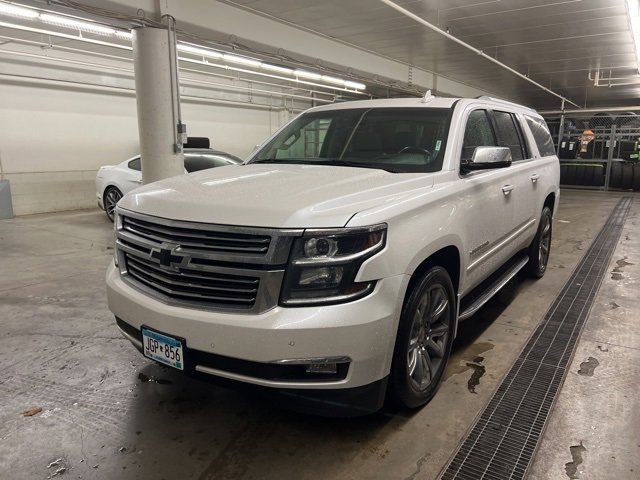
(542, 136)
(135, 164)
(196, 162)
(508, 134)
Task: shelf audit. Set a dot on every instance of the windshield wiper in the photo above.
(286, 160)
(337, 163)
(347, 163)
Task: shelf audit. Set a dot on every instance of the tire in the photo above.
(541, 245)
(581, 174)
(616, 175)
(636, 177)
(110, 199)
(598, 176)
(423, 343)
(571, 174)
(564, 169)
(627, 176)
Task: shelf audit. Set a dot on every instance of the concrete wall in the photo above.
(59, 124)
(53, 140)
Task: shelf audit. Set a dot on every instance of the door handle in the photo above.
(137, 181)
(507, 189)
(535, 177)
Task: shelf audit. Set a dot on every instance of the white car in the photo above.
(336, 263)
(114, 181)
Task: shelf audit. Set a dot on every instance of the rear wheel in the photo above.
(111, 197)
(540, 246)
(424, 339)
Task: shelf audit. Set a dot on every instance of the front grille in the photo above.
(202, 265)
(193, 285)
(198, 238)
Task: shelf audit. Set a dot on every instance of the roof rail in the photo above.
(496, 99)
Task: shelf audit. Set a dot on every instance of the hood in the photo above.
(278, 196)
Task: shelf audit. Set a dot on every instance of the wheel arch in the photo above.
(447, 253)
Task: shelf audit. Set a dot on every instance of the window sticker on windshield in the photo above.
(438, 143)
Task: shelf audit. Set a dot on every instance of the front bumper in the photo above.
(99, 200)
(363, 330)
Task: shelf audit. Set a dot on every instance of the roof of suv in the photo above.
(434, 102)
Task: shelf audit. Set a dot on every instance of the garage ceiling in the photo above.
(557, 43)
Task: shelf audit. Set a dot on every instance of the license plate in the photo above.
(162, 348)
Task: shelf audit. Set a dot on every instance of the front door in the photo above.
(488, 200)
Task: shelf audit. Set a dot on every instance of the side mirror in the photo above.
(485, 158)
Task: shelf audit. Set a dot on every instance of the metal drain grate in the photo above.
(503, 440)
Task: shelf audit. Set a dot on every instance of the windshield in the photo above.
(393, 139)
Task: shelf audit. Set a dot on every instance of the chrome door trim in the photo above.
(501, 242)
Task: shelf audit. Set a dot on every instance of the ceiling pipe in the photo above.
(590, 110)
(475, 50)
(48, 46)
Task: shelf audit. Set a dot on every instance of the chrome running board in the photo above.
(494, 287)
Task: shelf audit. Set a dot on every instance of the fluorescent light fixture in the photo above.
(277, 68)
(329, 79)
(124, 34)
(354, 85)
(306, 74)
(633, 7)
(203, 52)
(76, 24)
(15, 11)
(242, 60)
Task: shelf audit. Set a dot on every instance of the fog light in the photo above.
(328, 368)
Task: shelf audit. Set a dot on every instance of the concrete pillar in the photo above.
(157, 97)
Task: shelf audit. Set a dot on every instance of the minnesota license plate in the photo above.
(162, 348)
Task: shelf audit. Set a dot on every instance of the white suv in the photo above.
(336, 264)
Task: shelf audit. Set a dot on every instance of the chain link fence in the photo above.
(598, 151)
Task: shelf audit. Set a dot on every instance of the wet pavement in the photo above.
(106, 412)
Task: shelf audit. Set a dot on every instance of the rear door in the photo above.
(523, 170)
(487, 201)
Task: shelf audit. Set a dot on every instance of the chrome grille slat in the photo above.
(198, 265)
(167, 279)
(198, 239)
(177, 293)
(187, 275)
(217, 236)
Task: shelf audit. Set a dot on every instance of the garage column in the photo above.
(157, 97)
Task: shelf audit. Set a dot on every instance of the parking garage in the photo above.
(363, 239)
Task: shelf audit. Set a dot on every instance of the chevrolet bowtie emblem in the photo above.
(169, 256)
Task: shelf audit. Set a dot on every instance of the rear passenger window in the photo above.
(508, 134)
(542, 136)
(477, 133)
(134, 164)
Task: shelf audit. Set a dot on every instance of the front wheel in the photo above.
(540, 246)
(111, 197)
(425, 336)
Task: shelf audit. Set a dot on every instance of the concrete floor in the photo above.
(109, 413)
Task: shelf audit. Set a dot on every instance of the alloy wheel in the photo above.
(545, 242)
(429, 336)
(111, 200)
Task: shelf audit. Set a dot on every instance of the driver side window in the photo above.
(477, 133)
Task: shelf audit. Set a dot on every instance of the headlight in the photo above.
(324, 265)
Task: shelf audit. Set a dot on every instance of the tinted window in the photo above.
(135, 164)
(196, 162)
(393, 139)
(541, 136)
(477, 133)
(508, 134)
